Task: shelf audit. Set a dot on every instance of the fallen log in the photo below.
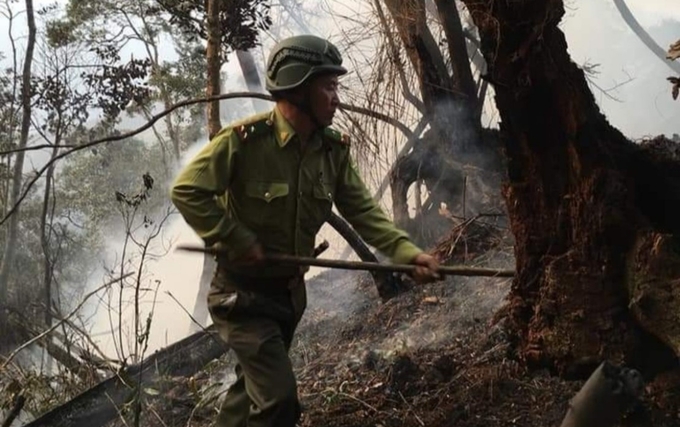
(101, 404)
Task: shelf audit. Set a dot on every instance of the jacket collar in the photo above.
(284, 130)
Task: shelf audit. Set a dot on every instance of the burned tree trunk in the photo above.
(452, 106)
(594, 216)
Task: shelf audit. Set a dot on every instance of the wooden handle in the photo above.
(368, 266)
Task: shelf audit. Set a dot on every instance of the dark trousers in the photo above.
(257, 318)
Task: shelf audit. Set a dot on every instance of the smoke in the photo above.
(164, 271)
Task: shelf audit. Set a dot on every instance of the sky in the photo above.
(640, 106)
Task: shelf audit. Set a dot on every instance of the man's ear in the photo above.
(297, 95)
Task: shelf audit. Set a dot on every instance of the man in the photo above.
(266, 185)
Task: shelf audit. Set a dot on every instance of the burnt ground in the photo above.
(429, 357)
(432, 356)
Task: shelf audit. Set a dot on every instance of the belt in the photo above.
(276, 285)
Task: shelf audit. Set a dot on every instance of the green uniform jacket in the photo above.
(252, 182)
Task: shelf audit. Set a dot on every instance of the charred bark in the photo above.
(448, 179)
(582, 202)
(421, 49)
(458, 53)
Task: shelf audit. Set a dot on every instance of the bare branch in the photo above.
(643, 35)
(410, 97)
(35, 148)
(56, 325)
(361, 110)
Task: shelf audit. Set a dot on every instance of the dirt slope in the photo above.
(429, 357)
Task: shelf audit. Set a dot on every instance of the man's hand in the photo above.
(253, 255)
(426, 268)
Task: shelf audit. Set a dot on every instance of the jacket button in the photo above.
(267, 194)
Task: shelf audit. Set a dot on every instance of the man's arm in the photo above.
(357, 206)
(197, 187)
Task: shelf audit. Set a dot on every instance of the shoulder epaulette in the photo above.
(248, 129)
(336, 136)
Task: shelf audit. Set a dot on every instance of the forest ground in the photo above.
(433, 356)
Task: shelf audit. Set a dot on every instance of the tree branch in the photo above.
(460, 62)
(643, 35)
(56, 325)
(361, 110)
(35, 148)
(18, 405)
(394, 50)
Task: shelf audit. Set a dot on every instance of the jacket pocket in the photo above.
(321, 205)
(264, 205)
(266, 191)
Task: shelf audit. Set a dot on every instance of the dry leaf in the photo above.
(445, 212)
(674, 51)
(431, 300)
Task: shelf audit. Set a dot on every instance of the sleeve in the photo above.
(356, 204)
(198, 186)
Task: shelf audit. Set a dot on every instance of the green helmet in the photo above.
(294, 60)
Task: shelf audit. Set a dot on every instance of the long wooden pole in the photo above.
(370, 266)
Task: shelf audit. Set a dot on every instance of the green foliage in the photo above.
(146, 82)
(90, 181)
(61, 33)
(65, 106)
(240, 20)
(119, 85)
(9, 107)
(184, 79)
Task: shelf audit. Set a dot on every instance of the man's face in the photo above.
(323, 93)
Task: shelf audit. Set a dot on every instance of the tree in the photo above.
(9, 251)
(67, 84)
(112, 25)
(593, 214)
(225, 26)
(426, 72)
